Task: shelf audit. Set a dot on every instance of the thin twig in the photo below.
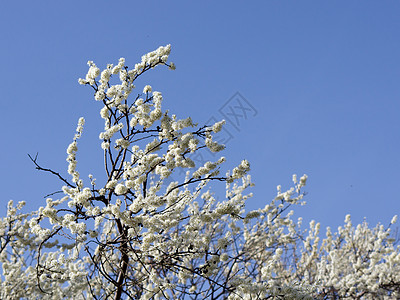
(49, 170)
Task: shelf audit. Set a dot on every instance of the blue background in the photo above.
(323, 77)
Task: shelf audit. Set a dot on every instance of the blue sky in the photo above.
(321, 76)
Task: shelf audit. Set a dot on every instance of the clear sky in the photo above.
(320, 80)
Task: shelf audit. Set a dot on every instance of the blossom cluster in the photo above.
(71, 151)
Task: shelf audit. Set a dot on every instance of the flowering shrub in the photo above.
(141, 235)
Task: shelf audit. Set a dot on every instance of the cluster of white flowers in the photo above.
(356, 262)
(147, 89)
(123, 143)
(212, 145)
(154, 57)
(120, 189)
(218, 126)
(207, 168)
(108, 134)
(143, 113)
(239, 171)
(71, 151)
(91, 75)
(293, 291)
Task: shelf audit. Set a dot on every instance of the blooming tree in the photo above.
(142, 235)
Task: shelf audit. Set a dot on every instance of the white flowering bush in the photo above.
(140, 234)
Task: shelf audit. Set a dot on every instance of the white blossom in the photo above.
(120, 189)
(147, 89)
